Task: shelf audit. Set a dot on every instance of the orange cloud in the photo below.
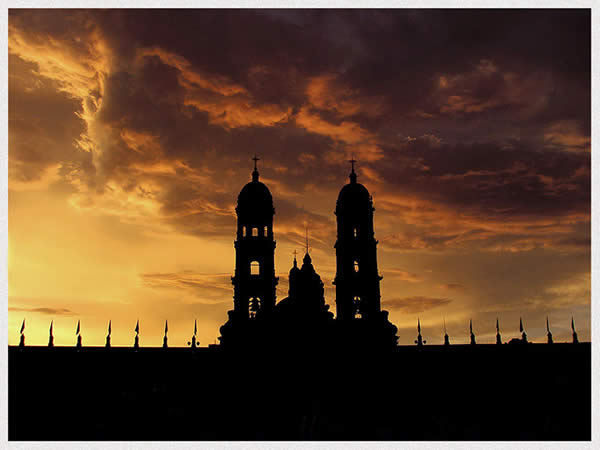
(434, 226)
(213, 286)
(453, 287)
(325, 92)
(360, 142)
(79, 64)
(567, 135)
(228, 103)
(237, 111)
(487, 86)
(49, 311)
(191, 77)
(403, 275)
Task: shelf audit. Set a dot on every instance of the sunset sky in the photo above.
(131, 133)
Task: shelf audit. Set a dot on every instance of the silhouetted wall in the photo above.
(459, 392)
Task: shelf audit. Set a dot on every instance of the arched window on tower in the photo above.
(255, 232)
(356, 266)
(253, 307)
(244, 231)
(356, 307)
(254, 268)
(266, 232)
(355, 232)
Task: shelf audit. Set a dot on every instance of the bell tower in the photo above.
(357, 278)
(358, 298)
(254, 282)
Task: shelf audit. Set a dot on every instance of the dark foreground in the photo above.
(535, 392)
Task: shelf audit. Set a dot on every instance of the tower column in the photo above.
(254, 281)
(357, 279)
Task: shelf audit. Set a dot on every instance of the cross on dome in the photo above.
(352, 174)
(255, 172)
(352, 161)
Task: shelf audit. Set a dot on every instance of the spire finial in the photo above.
(307, 239)
(165, 339)
(255, 172)
(22, 337)
(51, 337)
(307, 261)
(108, 335)
(352, 173)
(520, 325)
(419, 340)
(471, 332)
(498, 337)
(550, 341)
(295, 261)
(78, 333)
(575, 338)
(193, 341)
(446, 338)
(136, 342)
(522, 330)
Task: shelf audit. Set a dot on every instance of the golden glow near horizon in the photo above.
(127, 149)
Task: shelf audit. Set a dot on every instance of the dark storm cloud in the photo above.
(482, 111)
(518, 180)
(435, 42)
(226, 42)
(48, 137)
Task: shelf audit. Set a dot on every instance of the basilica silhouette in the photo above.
(303, 318)
(290, 370)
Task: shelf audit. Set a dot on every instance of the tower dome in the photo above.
(255, 198)
(353, 196)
